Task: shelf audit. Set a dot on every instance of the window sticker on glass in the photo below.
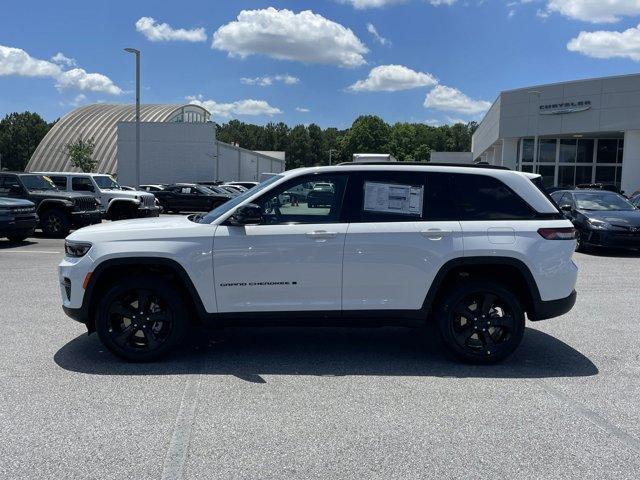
(393, 198)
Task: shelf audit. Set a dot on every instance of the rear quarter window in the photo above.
(481, 197)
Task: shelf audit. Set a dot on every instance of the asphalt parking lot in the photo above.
(319, 403)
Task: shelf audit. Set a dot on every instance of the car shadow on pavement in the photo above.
(249, 353)
(6, 244)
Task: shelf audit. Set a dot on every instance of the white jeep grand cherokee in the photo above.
(473, 248)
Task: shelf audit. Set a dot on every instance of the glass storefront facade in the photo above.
(567, 162)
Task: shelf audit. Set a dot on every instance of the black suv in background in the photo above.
(18, 219)
(190, 197)
(58, 211)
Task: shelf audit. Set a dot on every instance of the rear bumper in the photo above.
(543, 310)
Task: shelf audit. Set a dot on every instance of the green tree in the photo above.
(316, 147)
(368, 134)
(402, 141)
(20, 134)
(299, 147)
(80, 154)
(422, 153)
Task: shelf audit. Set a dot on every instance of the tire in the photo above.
(580, 245)
(162, 327)
(498, 326)
(55, 223)
(19, 238)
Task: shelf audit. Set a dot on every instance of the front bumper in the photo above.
(145, 212)
(612, 238)
(543, 310)
(18, 224)
(86, 217)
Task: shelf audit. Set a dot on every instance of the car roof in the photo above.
(73, 174)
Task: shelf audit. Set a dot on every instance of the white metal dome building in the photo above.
(99, 121)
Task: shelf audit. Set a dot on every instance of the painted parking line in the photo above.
(30, 251)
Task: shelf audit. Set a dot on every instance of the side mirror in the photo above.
(16, 189)
(249, 214)
(566, 208)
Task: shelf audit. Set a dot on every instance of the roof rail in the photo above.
(429, 164)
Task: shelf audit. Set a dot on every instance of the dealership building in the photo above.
(584, 131)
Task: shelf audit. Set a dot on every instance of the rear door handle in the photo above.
(435, 233)
(321, 234)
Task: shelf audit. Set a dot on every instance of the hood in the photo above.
(157, 228)
(618, 218)
(58, 194)
(15, 202)
(126, 193)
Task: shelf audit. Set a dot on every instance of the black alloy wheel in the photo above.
(141, 319)
(55, 223)
(481, 322)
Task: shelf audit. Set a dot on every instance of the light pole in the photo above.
(331, 150)
(136, 52)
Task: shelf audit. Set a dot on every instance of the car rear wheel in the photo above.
(55, 223)
(142, 319)
(481, 322)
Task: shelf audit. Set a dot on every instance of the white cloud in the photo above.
(608, 44)
(392, 78)
(248, 107)
(376, 36)
(595, 11)
(364, 4)
(450, 99)
(163, 32)
(302, 110)
(285, 35)
(61, 59)
(79, 79)
(269, 80)
(15, 61)
(78, 100)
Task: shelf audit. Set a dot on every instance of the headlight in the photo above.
(597, 224)
(76, 249)
(4, 211)
(98, 202)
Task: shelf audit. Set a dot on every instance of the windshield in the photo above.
(105, 181)
(235, 201)
(601, 201)
(37, 182)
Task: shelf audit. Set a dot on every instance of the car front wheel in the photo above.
(55, 223)
(142, 319)
(481, 322)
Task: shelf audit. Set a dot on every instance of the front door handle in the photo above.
(435, 233)
(321, 234)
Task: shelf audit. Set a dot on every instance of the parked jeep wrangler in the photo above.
(117, 203)
(58, 211)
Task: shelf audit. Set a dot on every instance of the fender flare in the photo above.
(177, 268)
(49, 203)
(478, 261)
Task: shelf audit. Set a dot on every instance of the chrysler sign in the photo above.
(566, 107)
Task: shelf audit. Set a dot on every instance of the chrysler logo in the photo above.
(566, 107)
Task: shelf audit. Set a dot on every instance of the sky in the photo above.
(303, 61)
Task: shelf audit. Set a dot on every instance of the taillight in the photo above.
(565, 233)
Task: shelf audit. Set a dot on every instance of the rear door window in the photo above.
(81, 184)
